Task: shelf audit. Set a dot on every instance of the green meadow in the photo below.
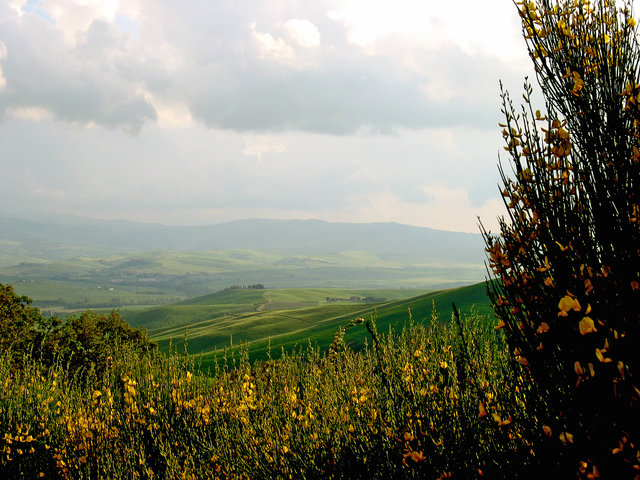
(270, 320)
(166, 277)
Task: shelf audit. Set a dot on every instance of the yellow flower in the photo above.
(632, 22)
(417, 456)
(543, 328)
(578, 83)
(586, 325)
(568, 303)
(566, 437)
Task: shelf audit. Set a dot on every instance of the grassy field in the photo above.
(166, 277)
(272, 319)
(63, 297)
(265, 303)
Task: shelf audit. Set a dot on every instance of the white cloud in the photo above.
(258, 145)
(275, 110)
(446, 208)
(33, 114)
(304, 32)
(18, 6)
(3, 56)
(261, 69)
(439, 90)
(273, 48)
(489, 27)
(105, 8)
(170, 114)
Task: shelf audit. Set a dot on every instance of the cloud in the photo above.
(317, 67)
(303, 31)
(261, 144)
(271, 48)
(34, 114)
(467, 24)
(3, 56)
(445, 208)
(96, 81)
(349, 178)
(335, 109)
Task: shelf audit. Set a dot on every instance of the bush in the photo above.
(21, 326)
(86, 342)
(567, 259)
(83, 343)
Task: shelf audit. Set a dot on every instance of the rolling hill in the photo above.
(292, 317)
(74, 263)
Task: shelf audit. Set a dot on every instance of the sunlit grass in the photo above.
(426, 402)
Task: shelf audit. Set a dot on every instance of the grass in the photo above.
(426, 403)
(63, 297)
(291, 317)
(232, 301)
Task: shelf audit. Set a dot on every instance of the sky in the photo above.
(205, 111)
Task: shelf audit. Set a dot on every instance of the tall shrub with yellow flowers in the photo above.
(567, 260)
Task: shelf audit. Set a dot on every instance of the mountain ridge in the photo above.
(29, 240)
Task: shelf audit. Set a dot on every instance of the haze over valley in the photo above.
(73, 263)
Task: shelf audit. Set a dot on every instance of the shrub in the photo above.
(21, 326)
(82, 343)
(567, 261)
(86, 342)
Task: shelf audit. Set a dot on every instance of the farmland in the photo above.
(272, 319)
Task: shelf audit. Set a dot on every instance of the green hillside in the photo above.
(291, 317)
(233, 301)
(164, 277)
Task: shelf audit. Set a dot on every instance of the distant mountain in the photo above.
(59, 237)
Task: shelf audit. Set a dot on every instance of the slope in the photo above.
(273, 330)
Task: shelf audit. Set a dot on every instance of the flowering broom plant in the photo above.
(566, 263)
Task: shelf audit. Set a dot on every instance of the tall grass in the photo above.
(435, 400)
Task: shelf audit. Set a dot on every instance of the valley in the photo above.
(161, 278)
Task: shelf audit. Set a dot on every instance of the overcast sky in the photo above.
(203, 111)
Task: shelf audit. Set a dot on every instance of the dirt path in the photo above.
(263, 306)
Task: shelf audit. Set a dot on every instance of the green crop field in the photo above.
(233, 301)
(272, 319)
(63, 297)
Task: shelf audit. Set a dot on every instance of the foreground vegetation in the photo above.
(430, 401)
(567, 259)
